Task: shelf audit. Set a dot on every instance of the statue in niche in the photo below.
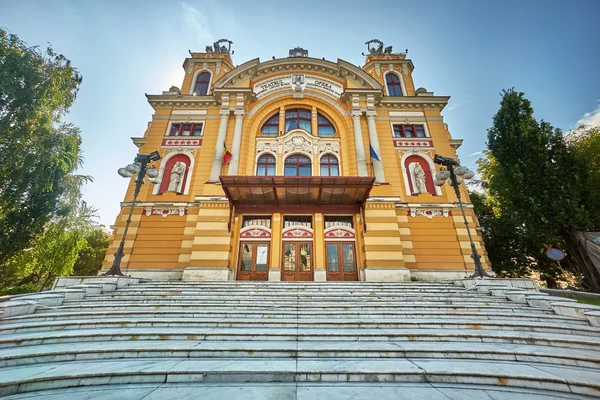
(419, 184)
(176, 179)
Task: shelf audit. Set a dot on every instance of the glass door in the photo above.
(254, 259)
(341, 261)
(297, 261)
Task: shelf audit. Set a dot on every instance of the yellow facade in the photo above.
(186, 227)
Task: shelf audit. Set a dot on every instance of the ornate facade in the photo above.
(296, 169)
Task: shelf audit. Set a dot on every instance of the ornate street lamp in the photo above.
(139, 167)
(458, 173)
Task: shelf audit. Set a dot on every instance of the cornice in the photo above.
(195, 60)
(411, 102)
(246, 69)
(168, 100)
(393, 62)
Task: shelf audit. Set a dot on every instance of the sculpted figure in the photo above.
(176, 179)
(419, 185)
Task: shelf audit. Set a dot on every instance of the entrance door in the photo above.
(341, 261)
(254, 258)
(297, 261)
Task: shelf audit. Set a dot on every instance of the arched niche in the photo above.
(166, 167)
(408, 162)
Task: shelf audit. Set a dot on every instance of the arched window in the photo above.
(271, 126)
(266, 165)
(393, 85)
(326, 128)
(329, 166)
(297, 118)
(297, 165)
(201, 85)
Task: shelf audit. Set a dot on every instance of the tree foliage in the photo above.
(39, 152)
(89, 259)
(538, 186)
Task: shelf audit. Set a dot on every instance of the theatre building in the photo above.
(296, 169)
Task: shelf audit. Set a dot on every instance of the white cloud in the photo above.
(591, 118)
(477, 153)
(197, 23)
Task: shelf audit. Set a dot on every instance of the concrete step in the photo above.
(298, 391)
(150, 312)
(25, 355)
(308, 322)
(303, 334)
(176, 370)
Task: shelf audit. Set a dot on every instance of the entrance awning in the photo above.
(332, 194)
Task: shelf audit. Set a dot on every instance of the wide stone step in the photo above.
(302, 334)
(98, 372)
(357, 307)
(298, 391)
(24, 355)
(204, 322)
(149, 312)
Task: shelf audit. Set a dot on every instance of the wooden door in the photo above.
(253, 261)
(297, 261)
(341, 261)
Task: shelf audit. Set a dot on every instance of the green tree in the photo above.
(39, 152)
(90, 257)
(538, 183)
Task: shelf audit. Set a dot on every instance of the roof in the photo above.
(336, 194)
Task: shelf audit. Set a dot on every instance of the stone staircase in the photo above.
(125, 339)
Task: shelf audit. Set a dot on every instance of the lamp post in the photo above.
(139, 167)
(457, 173)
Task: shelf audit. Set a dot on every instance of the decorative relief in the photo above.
(165, 212)
(297, 232)
(297, 143)
(339, 233)
(429, 213)
(405, 69)
(329, 147)
(255, 232)
(410, 143)
(182, 142)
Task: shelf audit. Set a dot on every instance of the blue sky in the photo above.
(470, 50)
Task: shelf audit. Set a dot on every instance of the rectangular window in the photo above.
(336, 220)
(181, 129)
(295, 220)
(409, 131)
(257, 220)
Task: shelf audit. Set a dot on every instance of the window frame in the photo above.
(400, 82)
(266, 164)
(403, 131)
(195, 83)
(298, 119)
(297, 164)
(180, 130)
(329, 164)
(328, 124)
(266, 123)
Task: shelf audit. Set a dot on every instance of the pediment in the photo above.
(330, 78)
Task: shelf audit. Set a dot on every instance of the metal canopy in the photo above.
(333, 194)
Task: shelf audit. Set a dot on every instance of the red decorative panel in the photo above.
(255, 232)
(425, 165)
(166, 178)
(177, 142)
(339, 233)
(297, 232)
(403, 143)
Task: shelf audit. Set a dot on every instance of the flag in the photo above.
(226, 154)
(373, 154)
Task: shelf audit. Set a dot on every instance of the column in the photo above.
(276, 243)
(319, 247)
(218, 157)
(377, 165)
(237, 143)
(361, 159)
